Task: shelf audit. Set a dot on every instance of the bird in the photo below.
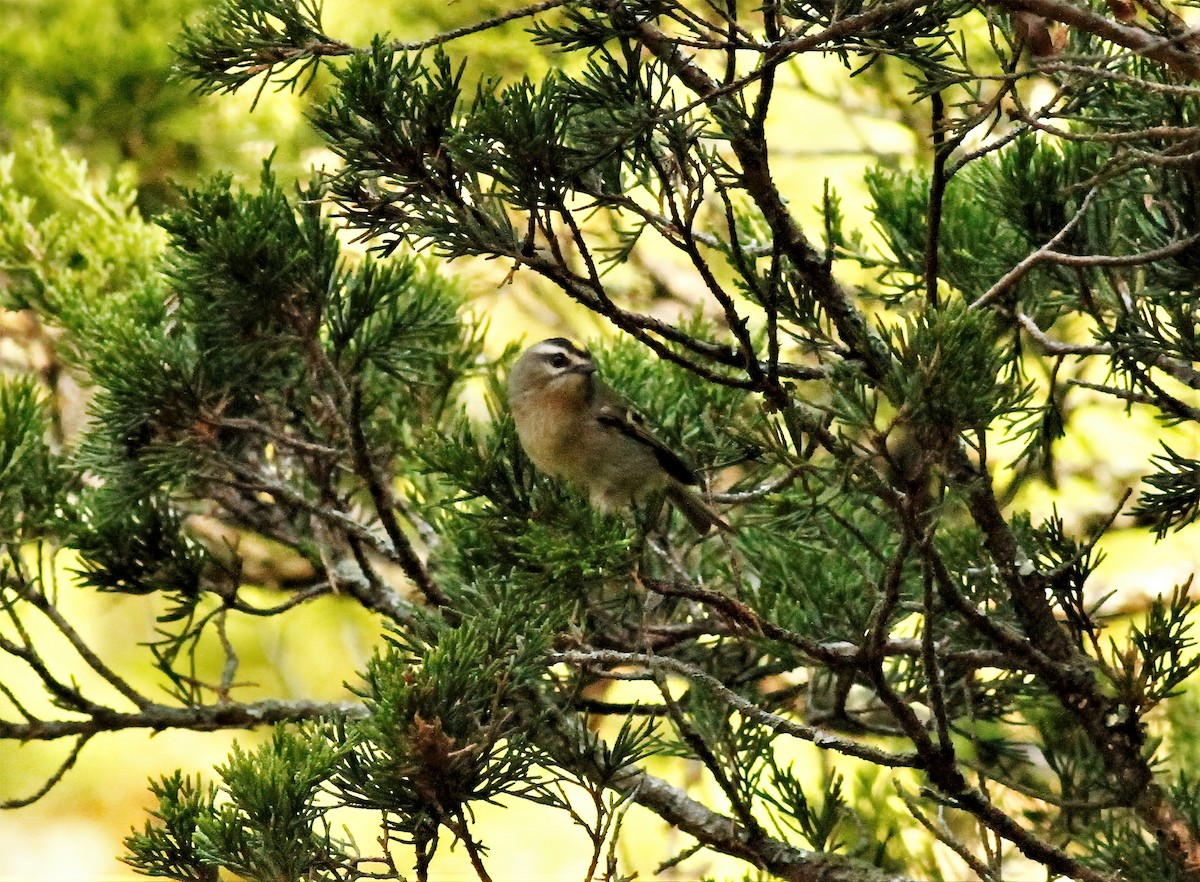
(574, 427)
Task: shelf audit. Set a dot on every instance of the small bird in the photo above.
(573, 426)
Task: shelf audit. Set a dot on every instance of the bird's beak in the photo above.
(584, 367)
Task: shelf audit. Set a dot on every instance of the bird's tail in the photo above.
(696, 510)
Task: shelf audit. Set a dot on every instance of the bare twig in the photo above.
(767, 488)
(1018, 272)
(42, 603)
(1192, 413)
(937, 192)
(486, 25)
(747, 708)
(65, 766)
(1163, 50)
(385, 507)
(1056, 347)
(705, 754)
(944, 835)
(201, 718)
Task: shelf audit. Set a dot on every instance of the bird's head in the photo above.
(555, 368)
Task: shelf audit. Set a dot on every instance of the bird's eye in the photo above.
(558, 360)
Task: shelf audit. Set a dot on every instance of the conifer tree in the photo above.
(865, 415)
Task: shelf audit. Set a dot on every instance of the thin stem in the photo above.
(705, 754)
(201, 718)
(937, 193)
(65, 766)
(473, 851)
(488, 24)
(743, 706)
(1018, 272)
(46, 608)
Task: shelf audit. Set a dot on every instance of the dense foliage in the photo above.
(865, 414)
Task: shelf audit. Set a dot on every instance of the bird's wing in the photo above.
(630, 423)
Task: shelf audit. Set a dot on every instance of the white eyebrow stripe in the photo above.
(548, 350)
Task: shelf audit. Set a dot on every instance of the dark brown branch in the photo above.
(756, 178)
(300, 597)
(644, 328)
(1184, 410)
(42, 603)
(929, 659)
(463, 831)
(705, 754)
(937, 194)
(940, 763)
(737, 325)
(1113, 731)
(945, 835)
(67, 696)
(379, 598)
(618, 708)
(742, 616)
(385, 507)
(1141, 42)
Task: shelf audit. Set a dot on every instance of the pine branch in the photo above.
(1162, 49)
(1118, 744)
(606, 657)
(720, 833)
(488, 24)
(716, 831)
(758, 182)
(201, 718)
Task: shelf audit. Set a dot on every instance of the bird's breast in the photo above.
(566, 440)
(545, 426)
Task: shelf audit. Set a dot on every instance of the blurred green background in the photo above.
(98, 75)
